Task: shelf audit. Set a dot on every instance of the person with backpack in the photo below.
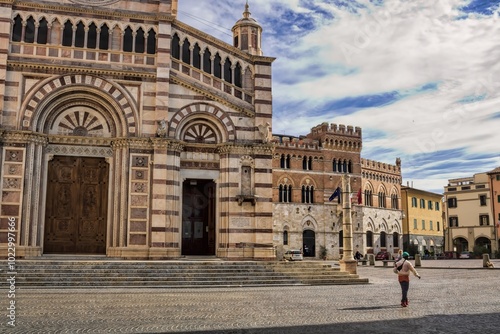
(403, 267)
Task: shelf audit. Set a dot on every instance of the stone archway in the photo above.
(309, 243)
(80, 115)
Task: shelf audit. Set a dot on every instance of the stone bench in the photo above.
(385, 262)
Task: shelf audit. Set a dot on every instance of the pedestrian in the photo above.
(403, 268)
(357, 256)
(400, 255)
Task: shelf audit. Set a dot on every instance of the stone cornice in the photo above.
(93, 10)
(266, 149)
(202, 90)
(23, 137)
(139, 143)
(73, 140)
(83, 70)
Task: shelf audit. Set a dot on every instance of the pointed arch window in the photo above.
(92, 36)
(383, 239)
(186, 52)
(140, 41)
(104, 38)
(381, 200)
(29, 32)
(217, 66)
(43, 31)
(368, 198)
(308, 194)
(394, 201)
(176, 48)
(197, 56)
(307, 163)
(285, 193)
(335, 165)
(369, 239)
(395, 239)
(285, 237)
(285, 161)
(237, 75)
(207, 61)
(17, 29)
(128, 40)
(80, 35)
(67, 39)
(228, 71)
(151, 47)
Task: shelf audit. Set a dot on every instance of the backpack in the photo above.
(398, 268)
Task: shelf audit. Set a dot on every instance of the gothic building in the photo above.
(307, 215)
(127, 133)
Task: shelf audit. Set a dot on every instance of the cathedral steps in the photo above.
(316, 273)
(97, 273)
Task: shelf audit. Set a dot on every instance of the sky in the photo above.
(420, 77)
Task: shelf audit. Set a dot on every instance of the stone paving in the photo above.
(453, 296)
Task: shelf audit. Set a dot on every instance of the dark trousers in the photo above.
(404, 290)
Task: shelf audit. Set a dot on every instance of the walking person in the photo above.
(403, 267)
(400, 255)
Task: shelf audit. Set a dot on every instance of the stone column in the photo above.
(347, 263)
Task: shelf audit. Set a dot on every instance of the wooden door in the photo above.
(198, 217)
(76, 209)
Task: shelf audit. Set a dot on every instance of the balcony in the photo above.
(90, 56)
(212, 81)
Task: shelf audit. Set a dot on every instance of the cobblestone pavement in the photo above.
(455, 296)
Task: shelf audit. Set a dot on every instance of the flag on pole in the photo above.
(335, 194)
(359, 196)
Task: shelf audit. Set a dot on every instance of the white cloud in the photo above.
(400, 46)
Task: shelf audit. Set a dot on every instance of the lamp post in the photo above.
(347, 263)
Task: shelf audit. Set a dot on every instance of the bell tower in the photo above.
(247, 34)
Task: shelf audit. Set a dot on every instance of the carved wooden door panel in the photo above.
(76, 209)
(198, 217)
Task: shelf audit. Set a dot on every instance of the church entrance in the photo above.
(76, 208)
(198, 217)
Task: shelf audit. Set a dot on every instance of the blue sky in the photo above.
(420, 77)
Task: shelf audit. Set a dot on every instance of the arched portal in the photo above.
(81, 116)
(309, 243)
(461, 244)
(483, 243)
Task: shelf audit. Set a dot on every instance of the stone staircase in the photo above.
(98, 273)
(315, 273)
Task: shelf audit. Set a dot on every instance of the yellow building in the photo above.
(468, 214)
(494, 178)
(422, 221)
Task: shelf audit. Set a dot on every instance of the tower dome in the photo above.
(247, 34)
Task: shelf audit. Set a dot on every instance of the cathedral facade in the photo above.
(130, 134)
(127, 133)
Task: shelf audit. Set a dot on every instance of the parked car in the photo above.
(449, 255)
(382, 256)
(466, 255)
(293, 255)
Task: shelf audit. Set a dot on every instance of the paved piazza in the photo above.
(453, 296)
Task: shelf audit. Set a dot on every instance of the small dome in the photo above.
(246, 17)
